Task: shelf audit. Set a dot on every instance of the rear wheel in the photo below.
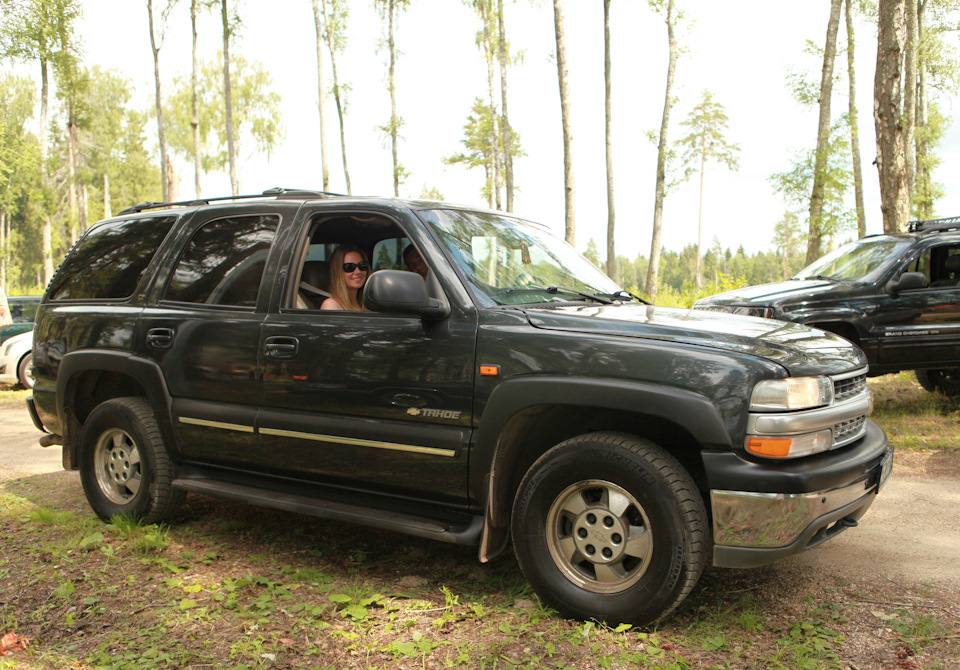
(25, 371)
(612, 527)
(946, 381)
(124, 466)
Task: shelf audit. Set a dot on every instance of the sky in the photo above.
(740, 50)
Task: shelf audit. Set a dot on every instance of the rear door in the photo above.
(203, 329)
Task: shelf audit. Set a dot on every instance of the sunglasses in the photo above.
(350, 267)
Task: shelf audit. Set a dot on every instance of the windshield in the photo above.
(508, 262)
(861, 261)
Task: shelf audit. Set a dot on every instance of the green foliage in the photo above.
(707, 123)
(256, 111)
(796, 184)
(484, 145)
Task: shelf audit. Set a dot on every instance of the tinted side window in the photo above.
(109, 260)
(224, 261)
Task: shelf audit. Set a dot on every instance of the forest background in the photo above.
(748, 74)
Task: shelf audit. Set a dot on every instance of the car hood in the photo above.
(779, 292)
(802, 350)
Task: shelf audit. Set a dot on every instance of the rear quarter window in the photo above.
(109, 261)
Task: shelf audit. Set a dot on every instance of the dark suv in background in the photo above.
(510, 391)
(896, 296)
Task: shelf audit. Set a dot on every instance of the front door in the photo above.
(365, 400)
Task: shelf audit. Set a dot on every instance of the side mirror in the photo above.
(907, 282)
(400, 292)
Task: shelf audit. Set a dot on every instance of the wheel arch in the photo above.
(525, 418)
(86, 379)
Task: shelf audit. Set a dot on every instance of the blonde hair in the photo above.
(338, 286)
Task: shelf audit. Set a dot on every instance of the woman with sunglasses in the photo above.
(349, 268)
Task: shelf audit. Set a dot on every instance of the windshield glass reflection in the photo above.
(861, 261)
(507, 261)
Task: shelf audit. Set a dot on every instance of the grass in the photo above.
(914, 418)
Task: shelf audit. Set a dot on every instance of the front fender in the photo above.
(491, 458)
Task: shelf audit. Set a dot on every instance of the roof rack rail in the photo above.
(934, 225)
(278, 193)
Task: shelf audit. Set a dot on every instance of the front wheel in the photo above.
(124, 466)
(945, 381)
(609, 526)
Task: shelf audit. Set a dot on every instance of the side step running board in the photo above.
(327, 509)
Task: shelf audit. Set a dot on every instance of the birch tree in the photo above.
(815, 234)
(228, 28)
(887, 111)
(335, 14)
(853, 116)
(390, 11)
(505, 129)
(665, 7)
(608, 133)
(570, 217)
(318, 26)
(707, 123)
(155, 49)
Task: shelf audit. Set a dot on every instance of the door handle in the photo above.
(280, 346)
(160, 338)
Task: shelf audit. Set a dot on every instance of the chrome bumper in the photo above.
(751, 529)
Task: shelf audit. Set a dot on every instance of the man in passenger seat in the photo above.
(414, 261)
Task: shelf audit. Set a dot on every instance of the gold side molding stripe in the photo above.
(216, 424)
(393, 446)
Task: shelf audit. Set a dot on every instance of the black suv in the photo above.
(896, 296)
(512, 392)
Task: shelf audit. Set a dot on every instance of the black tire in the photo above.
(609, 526)
(124, 465)
(25, 371)
(946, 381)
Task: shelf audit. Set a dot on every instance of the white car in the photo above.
(16, 363)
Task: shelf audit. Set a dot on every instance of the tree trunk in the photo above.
(107, 205)
(653, 267)
(570, 233)
(393, 100)
(608, 129)
(823, 135)
(72, 165)
(47, 235)
(910, 98)
(318, 25)
(505, 122)
(336, 94)
(703, 167)
(228, 100)
(195, 100)
(923, 177)
(486, 16)
(855, 127)
(4, 251)
(44, 110)
(891, 163)
(156, 76)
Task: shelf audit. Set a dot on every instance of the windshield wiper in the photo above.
(826, 277)
(626, 295)
(556, 290)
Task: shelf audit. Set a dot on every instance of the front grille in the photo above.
(849, 387)
(848, 431)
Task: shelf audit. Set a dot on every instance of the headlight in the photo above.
(763, 312)
(791, 393)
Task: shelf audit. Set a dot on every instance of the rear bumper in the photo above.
(753, 528)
